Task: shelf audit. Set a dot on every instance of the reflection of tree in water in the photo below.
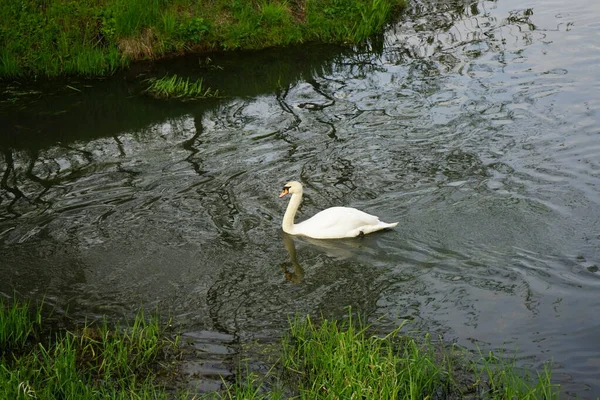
(433, 31)
(112, 106)
(28, 176)
(38, 257)
(9, 185)
(38, 269)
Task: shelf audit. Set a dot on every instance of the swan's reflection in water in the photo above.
(297, 275)
(338, 249)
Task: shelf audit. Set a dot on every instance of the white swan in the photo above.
(332, 223)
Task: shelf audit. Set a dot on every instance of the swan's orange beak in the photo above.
(284, 192)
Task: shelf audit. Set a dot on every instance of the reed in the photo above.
(176, 87)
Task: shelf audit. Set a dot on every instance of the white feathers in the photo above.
(332, 223)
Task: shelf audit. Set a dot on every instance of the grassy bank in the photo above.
(343, 361)
(330, 360)
(61, 37)
(85, 363)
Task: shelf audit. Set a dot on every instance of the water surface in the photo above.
(474, 124)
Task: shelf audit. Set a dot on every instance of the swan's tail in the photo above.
(373, 228)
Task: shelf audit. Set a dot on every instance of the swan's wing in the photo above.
(335, 222)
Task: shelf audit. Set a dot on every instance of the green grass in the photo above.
(67, 37)
(89, 362)
(16, 326)
(131, 16)
(176, 87)
(336, 360)
(505, 381)
(351, 22)
(330, 360)
(9, 66)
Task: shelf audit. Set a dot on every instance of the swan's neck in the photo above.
(290, 213)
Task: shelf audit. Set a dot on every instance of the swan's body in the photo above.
(332, 223)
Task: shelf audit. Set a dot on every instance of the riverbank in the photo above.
(329, 360)
(346, 360)
(63, 37)
(94, 360)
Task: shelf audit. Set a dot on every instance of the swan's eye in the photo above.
(286, 189)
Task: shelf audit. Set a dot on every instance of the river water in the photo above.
(476, 125)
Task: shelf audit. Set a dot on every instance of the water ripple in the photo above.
(475, 126)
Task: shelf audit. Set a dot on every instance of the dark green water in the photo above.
(476, 125)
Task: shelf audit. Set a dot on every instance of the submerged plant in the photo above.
(176, 87)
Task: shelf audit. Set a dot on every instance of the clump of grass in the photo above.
(340, 360)
(176, 87)
(373, 15)
(9, 65)
(132, 16)
(336, 360)
(348, 21)
(503, 380)
(249, 386)
(88, 362)
(17, 325)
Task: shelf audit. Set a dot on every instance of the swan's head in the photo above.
(292, 187)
